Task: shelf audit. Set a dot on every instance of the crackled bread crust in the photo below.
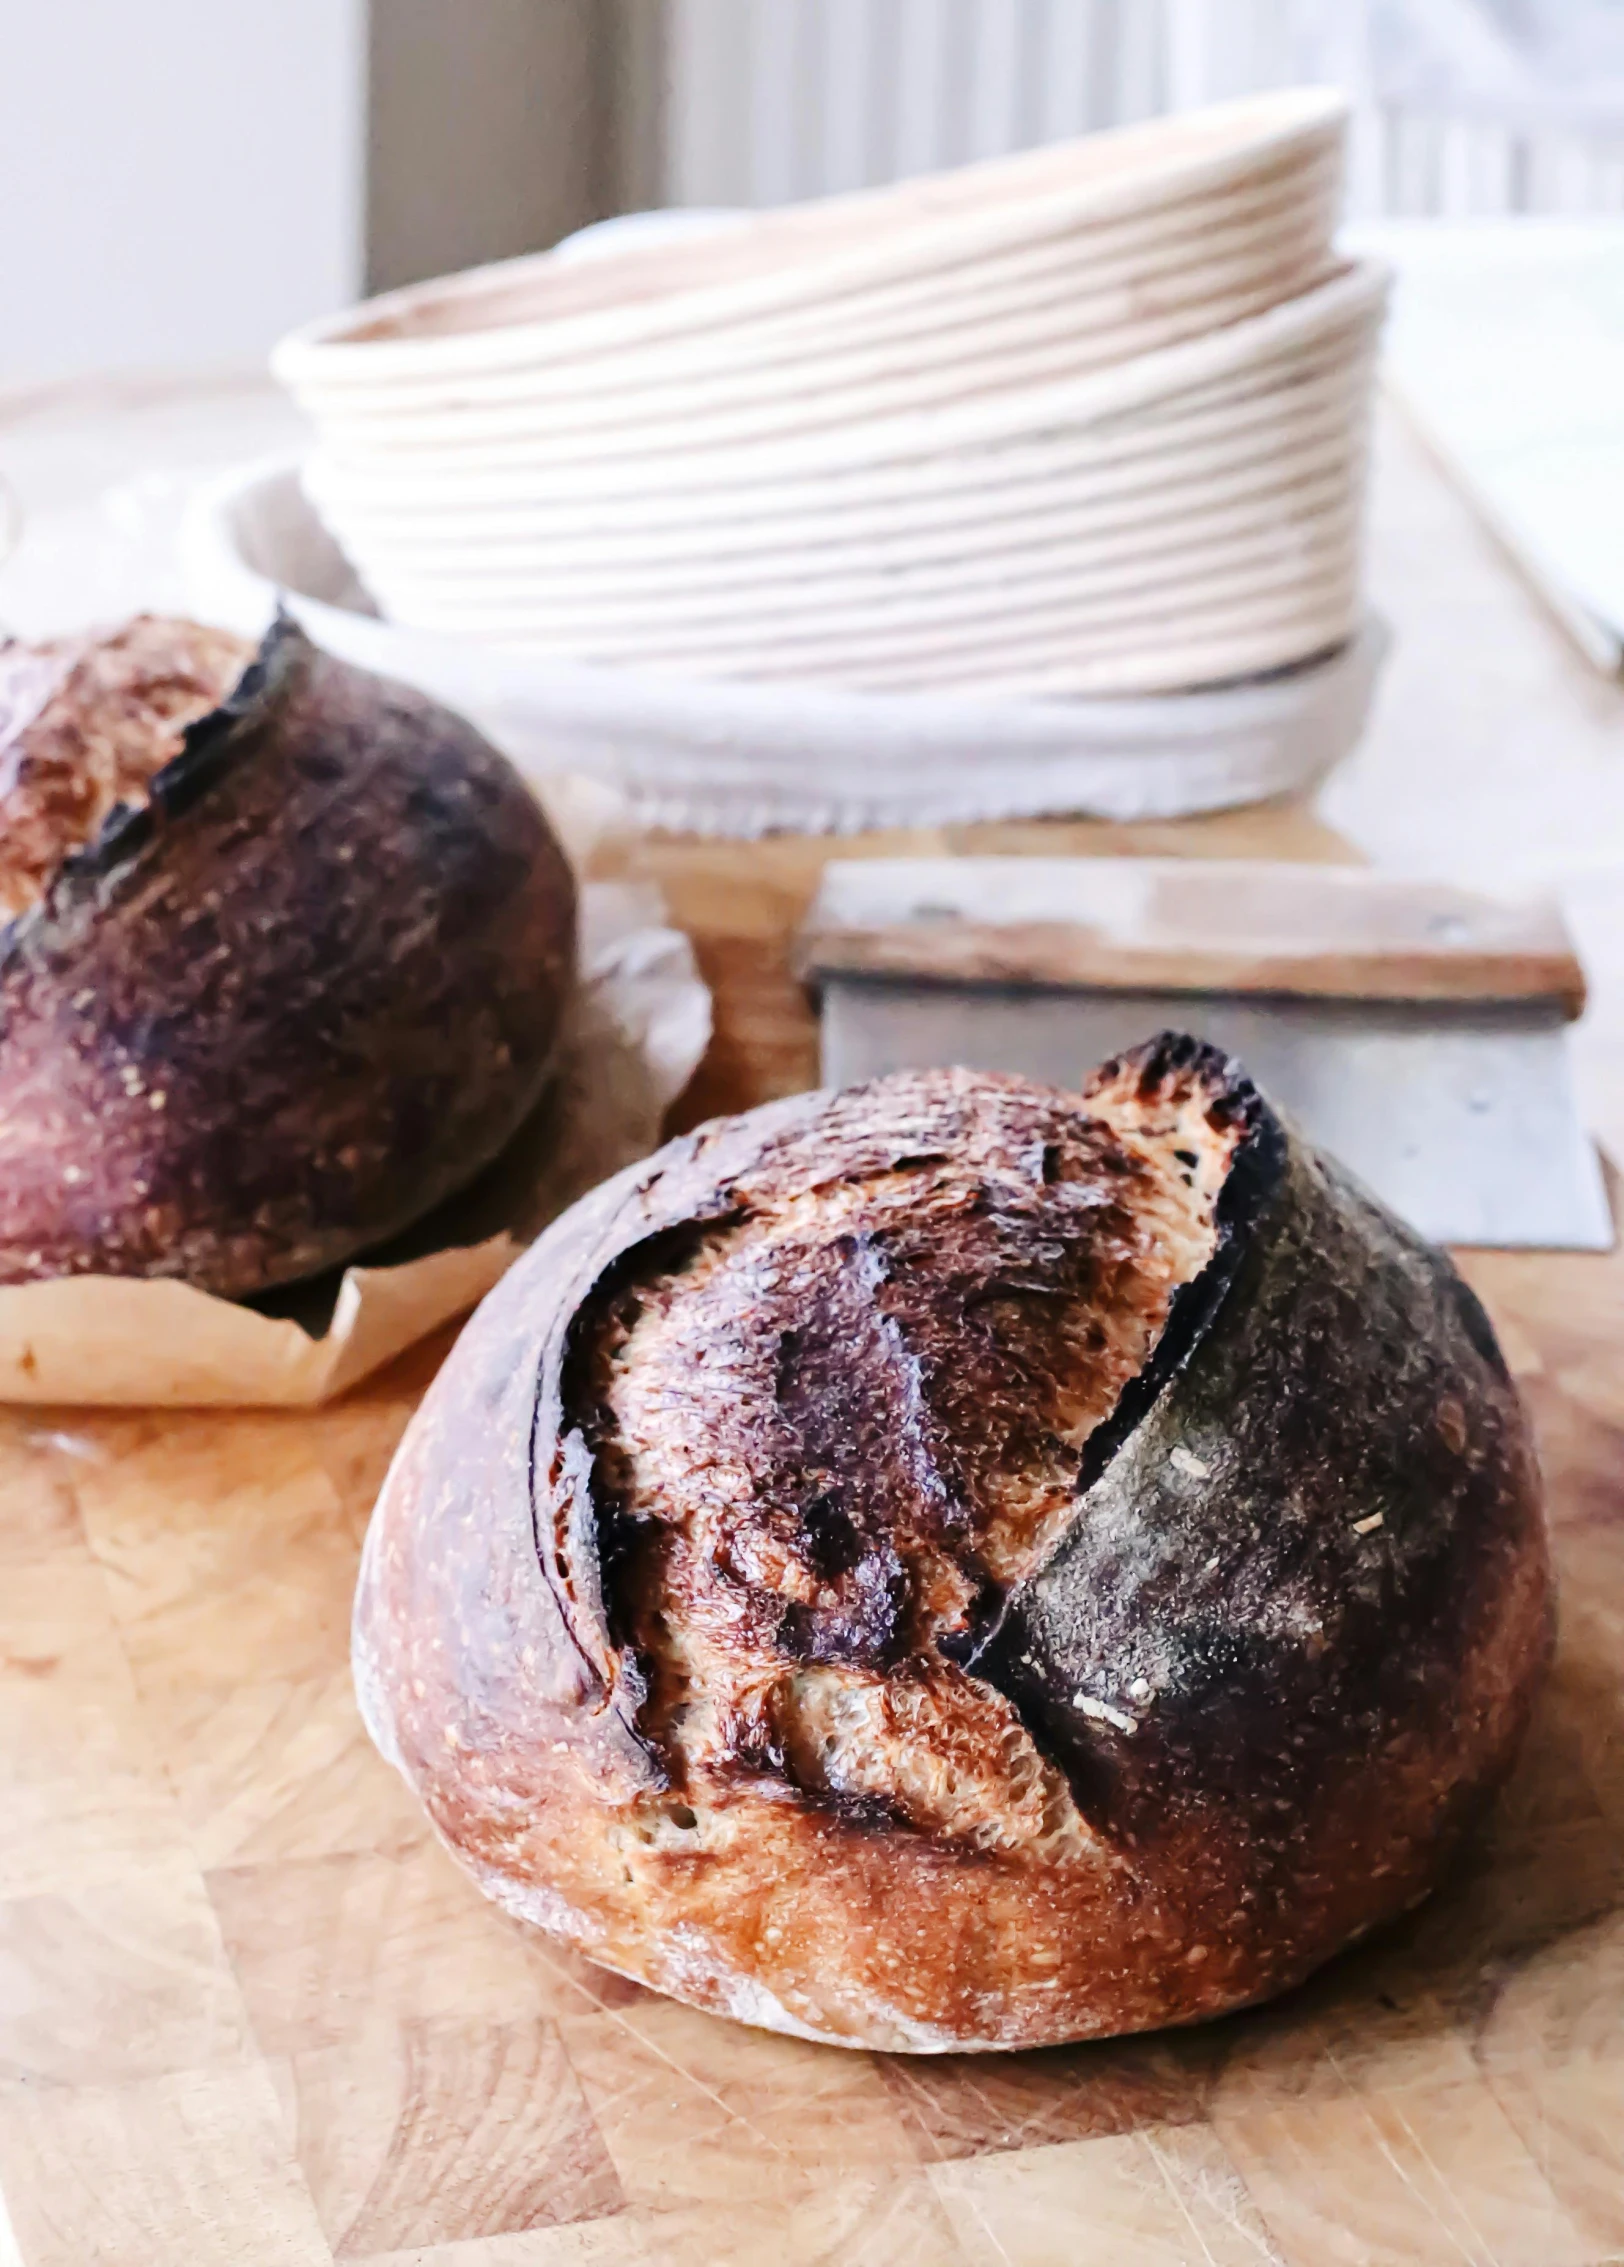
(854, 1415)
(88, 723)
(955, 1564)
(289, 958)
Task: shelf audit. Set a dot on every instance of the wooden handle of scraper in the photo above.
(1185, 925)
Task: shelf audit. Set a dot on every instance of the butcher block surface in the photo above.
(251, 2012)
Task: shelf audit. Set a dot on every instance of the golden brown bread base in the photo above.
(959, 1565)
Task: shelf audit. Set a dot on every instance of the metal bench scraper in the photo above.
(1414, 1030)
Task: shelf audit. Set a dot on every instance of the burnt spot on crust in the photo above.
(1174, 1090)
(1293, 1555)
(90, 728)
(994, 1755)
(289, 967)
(830, 1433)
(1478, 1328)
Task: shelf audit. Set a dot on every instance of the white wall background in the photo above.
(180, 180)
(768, 100)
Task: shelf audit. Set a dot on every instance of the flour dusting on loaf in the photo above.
(763, 1595)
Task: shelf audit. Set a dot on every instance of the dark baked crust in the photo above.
(890, 1767)
(280, 1008)
(86, 724)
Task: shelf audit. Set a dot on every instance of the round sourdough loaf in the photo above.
(955, 1564)
(287, 957)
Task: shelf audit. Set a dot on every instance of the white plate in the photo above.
(741, 759)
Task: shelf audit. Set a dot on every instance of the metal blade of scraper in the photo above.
(1445, 1084)
(1464, 1122)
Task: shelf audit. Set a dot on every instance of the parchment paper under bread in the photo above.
(639, 1026)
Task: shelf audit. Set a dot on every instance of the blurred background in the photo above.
(184, 180)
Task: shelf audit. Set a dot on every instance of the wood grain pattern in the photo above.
(250, 2011)
(422, 2129)
(1236, 926)
(742, 903)
(1161, 2196)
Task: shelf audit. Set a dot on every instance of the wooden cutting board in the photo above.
(249, 2012)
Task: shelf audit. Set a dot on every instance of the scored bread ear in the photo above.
(1224, 1608)
(1188, 1095)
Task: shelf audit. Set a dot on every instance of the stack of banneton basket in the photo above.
(1087, 422)
(1026, 488)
